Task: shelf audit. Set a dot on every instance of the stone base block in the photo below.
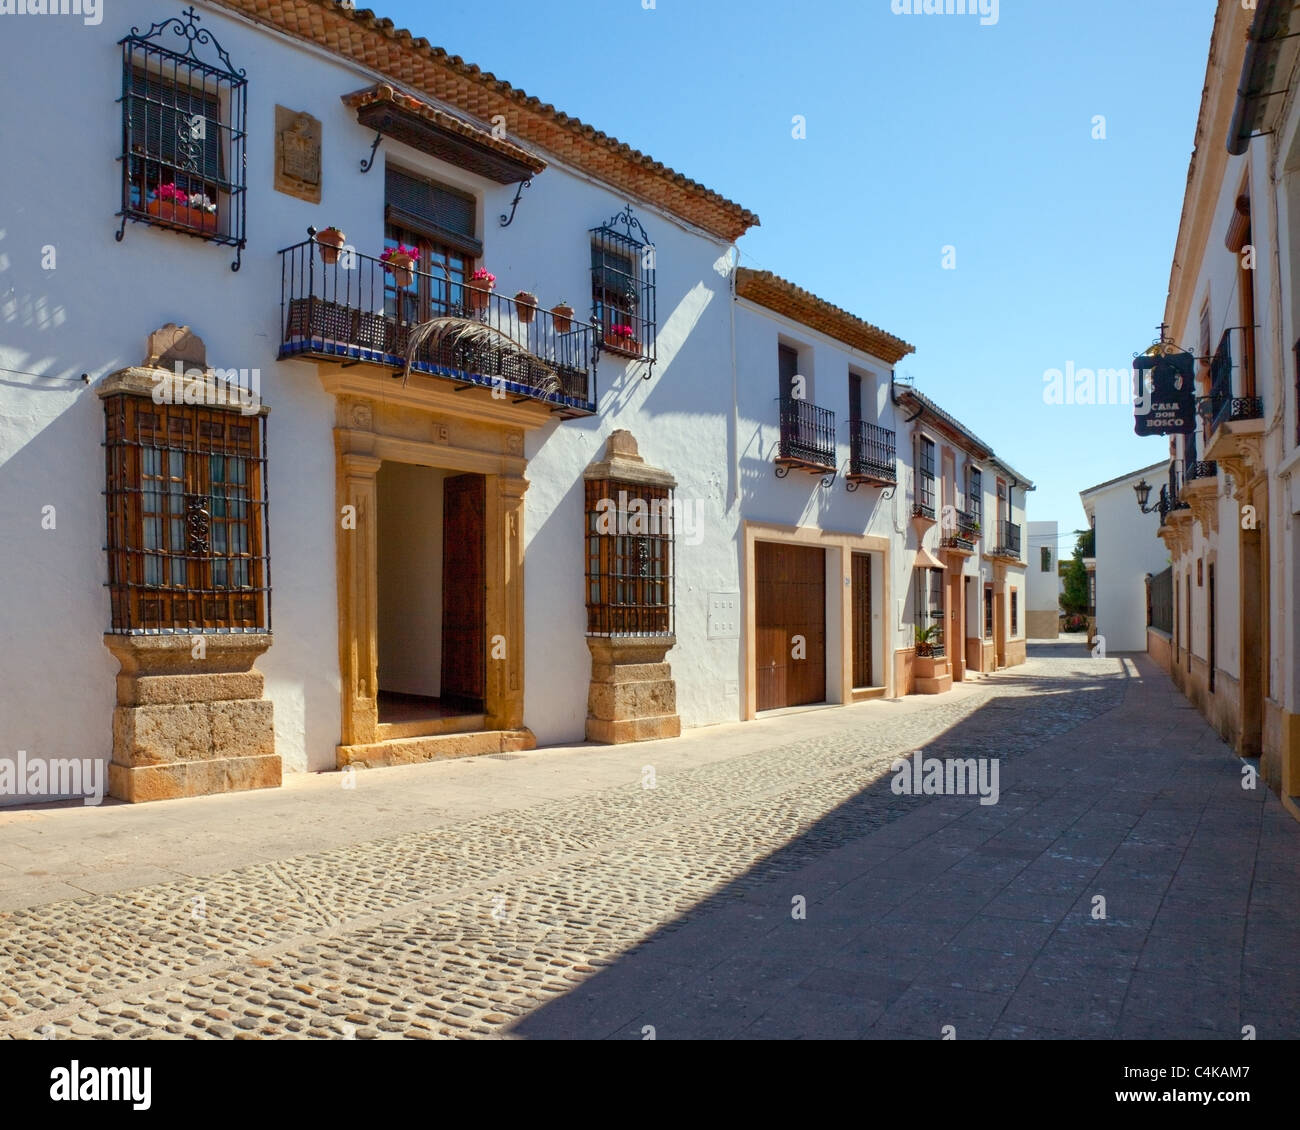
(413, 751)
(634, 729)
(190, 719)
(632, 696)
(193, 731)
(193, 778)
(936, 685)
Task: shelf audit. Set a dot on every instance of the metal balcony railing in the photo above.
(1008, 539)
(961, 530)
(357, 309)
(807, 434)
(1201, 469)
(1223, 405)
(873, 452)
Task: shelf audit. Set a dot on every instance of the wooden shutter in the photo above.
(438, 213)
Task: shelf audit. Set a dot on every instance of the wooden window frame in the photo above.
(621, 602)
(200, 602)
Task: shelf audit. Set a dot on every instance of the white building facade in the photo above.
(1042, 581)
(1125, 553)
(272, 483)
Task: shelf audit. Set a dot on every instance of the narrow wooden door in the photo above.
(790, 625)
(862, 620)
(464, 579)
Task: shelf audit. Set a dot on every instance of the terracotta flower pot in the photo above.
(331, 243)
(621, 343)
(183, 215)
(476, 296)
(563, 316)
(526, 306)
(401, 267)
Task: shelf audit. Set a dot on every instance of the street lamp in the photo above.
(1143, 492)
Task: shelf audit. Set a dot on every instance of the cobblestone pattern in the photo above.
(459, 931)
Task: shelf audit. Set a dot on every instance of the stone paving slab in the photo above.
(556, 897)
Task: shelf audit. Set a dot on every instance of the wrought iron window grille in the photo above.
(186, 499)
(630, 529)
(623, 302)
(184, 134)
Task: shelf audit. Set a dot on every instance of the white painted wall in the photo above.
(1042, 586)
(1127, 549)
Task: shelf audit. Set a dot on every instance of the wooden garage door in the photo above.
(790, 605)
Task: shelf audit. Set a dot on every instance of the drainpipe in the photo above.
(734, 254)
(1262, 34)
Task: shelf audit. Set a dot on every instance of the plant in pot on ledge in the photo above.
(526, 306)
(331, 241)
(400, 262)
(478, 289)
(926, 646)
(189, 209)
(562, 312)
(621, 338)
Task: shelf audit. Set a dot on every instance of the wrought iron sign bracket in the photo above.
(505, 220)
(368, 163)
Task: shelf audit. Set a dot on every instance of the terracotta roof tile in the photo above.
(378, 43)
(794, 302)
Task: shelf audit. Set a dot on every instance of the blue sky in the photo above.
(922, 132)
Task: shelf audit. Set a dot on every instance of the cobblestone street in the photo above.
(595, 906)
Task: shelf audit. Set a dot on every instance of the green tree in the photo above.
(1075, 597)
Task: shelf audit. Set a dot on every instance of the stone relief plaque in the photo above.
(297, 154)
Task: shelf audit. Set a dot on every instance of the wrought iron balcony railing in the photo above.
(807, 435)
(961, 530)
(873, 454)
(1223, 405)
(1201, 469)
(357, 309)
(1008, 539)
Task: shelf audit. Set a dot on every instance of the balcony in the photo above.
(872, 455)
(1200, 492)
(961, 531)
(1224, 407)
(1007, 542)
(1237, 422)
(353, 311)
(807, 438)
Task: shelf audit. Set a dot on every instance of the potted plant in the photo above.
(400, 262)
(925, 640)
(562, 312)
(478, 288)
(526, 306)
(192, 210)
(621, 337)
(331, 242)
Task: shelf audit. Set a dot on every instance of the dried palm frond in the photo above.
(511, 360)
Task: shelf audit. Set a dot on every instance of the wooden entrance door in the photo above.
(862, 620)
(1000, 629)
(464, 580)
(790, 624)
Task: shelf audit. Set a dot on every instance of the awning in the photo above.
(926, 560)
(453, 139)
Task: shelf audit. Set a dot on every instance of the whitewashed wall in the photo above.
(800, 499)
(1127, 549)
(1042, 587)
